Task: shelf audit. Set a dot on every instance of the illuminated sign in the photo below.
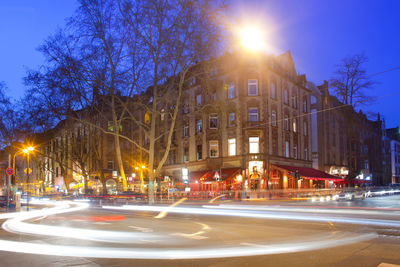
(256, 167)
(185, 175)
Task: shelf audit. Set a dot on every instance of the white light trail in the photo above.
(300, 209)
(16, 225)
(184, 253)
(259, 215)
(245, 249)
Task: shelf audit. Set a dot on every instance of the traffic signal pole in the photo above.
(8, 182)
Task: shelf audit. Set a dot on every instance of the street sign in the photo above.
(26, 170)
(216, 176)
(9, 171)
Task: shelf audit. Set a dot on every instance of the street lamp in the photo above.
(27, 152)
(142, 168)
(252, 38)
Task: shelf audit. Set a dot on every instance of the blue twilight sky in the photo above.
(319, 33)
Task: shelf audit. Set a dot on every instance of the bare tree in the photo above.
(12, 125)
(351, 80)
(122, 60)
(175, 36)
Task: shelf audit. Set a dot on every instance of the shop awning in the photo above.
(310, 173)
(208, 176)
(200, 175)
(355, 181)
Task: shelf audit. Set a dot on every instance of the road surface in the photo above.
(357, 233)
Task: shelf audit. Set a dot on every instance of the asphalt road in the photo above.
(358, 233)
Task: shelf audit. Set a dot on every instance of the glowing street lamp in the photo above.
(252, 38)
(27, 151)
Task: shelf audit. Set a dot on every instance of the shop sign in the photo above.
(185, 174)
(255, 167)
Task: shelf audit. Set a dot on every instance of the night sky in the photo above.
(319, 33)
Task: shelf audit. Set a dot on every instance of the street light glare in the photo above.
(252, 38)
(28, 149)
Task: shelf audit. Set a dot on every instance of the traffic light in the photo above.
(297, 175)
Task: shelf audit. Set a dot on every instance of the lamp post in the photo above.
(27, 152)
(141, 177)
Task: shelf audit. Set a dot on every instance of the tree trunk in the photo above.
(118, 147)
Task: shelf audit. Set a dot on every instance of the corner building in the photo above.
(246, 127)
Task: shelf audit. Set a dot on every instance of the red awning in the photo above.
(353, 182)
(310, 173)
(208, 176)
(229, 173)
(200, 175)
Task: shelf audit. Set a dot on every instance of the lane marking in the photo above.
(215, 198)
(196, 235)
(142, 229)
(164, 213)
(101, 223)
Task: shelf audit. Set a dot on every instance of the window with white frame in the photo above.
(253, 114)
(214, 151)
(252, 85)
(305, 128)
(198, 99)
(286, 123)
(287, 149)
(214, 71)
(231, 91)
(294, 101)
(366, 165)
(273, 118)
(232, 146)
(254, 146)
(232, 119)
(273, 90)
(285, 96)
(295, 151)
(199, 126)
(186, 131)
(186, 106)
(213, 121)
(162, 114)
(110, 165)
(305, 105)
(294, 125)
(313, 99)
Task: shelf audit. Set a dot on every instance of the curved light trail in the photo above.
(17, 224)
(259, 215)
(184, 253)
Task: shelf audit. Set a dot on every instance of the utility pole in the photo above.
(27, 195)
(8, 182)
